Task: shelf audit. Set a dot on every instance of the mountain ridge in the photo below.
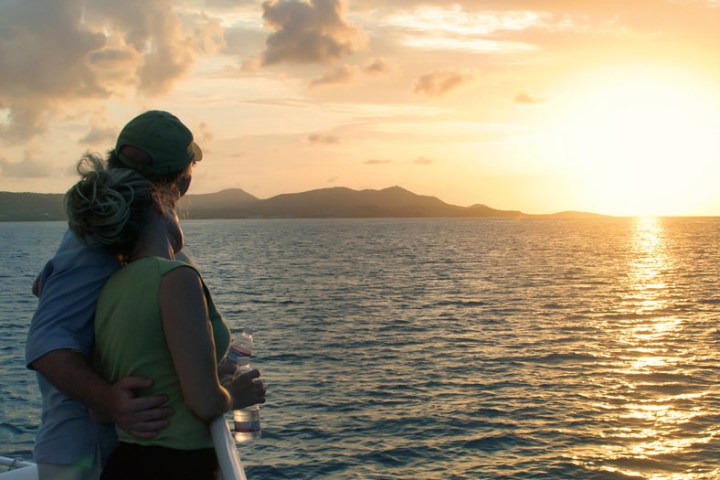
(235, 203)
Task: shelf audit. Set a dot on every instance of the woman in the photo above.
(152, 320)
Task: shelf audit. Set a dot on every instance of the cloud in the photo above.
(229, 4)
(521, 27)
(438, 83)
(616, 6)
(454, 29)
(524, 98)
(377, 162)
(203, 134)
(347, 73)
(68, 55)
(313, 32)
(208, 34)
(28, 168)
(250, 65)
(320, 138)
(162, 45)
(342, 74)
(42, 60)
(376, 66)
(99, 136)
(423, 161)
(243, 41)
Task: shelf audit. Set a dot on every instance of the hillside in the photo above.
(336, 202)
(223, 204)
(31, 206)
(236, 203)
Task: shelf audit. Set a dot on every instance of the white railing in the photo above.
(226, 451)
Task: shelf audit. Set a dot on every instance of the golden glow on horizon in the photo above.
(540, 107)
(643, 143)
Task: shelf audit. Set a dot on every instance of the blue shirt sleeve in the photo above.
(70, 284)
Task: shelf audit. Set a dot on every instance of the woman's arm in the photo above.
(189, 337)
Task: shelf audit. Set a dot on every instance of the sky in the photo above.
(541, 106)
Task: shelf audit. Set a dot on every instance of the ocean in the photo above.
(447, 348)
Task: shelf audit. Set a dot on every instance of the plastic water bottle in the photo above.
(246, 420)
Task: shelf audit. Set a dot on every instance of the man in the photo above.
(70, 445)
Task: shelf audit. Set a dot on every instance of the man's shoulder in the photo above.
(73, 252)
(76, 263)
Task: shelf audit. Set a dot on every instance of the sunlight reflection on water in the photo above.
(651, 415)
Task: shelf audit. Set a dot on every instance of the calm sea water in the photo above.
(448, 349)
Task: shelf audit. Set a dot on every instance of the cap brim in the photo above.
(197, 152)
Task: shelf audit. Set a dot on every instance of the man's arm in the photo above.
(71, 373)
(60, 339)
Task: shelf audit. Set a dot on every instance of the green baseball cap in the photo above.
(164, 138)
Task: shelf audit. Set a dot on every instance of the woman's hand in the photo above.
(246, 390)
(226, 371)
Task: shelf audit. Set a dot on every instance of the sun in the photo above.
(643, 142)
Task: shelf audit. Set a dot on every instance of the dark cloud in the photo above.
(66, 54)
(377, 162)
(99, 136)
(347, 73)
(109, 57)
(323, 138)
(376, 66)
(423, 161)
(25, 117)
(203, 134)
(43, 49)
(308, 32)
(440, 82)
(43, 59)
(342, 74)
(162, 43)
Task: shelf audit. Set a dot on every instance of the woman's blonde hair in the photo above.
(108, 205)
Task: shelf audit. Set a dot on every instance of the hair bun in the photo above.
(106, 206)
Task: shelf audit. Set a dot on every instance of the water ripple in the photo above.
(453, 349)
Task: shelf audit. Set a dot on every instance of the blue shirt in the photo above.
(70, 284)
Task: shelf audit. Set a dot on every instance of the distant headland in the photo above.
(337, 202)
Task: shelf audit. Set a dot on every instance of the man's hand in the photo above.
(141, 417)
(71, 373)
(36, 286)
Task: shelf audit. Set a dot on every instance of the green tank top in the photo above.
(130, 339)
